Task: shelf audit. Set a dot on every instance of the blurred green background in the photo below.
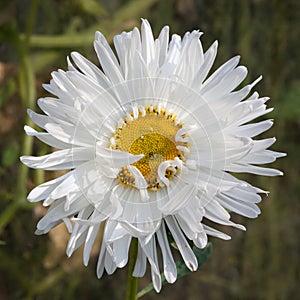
(35, 38)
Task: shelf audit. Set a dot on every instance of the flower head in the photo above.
(150, 143)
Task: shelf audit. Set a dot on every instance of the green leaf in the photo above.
(182, 270)
(202, 256)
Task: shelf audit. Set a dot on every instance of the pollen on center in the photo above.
(150, 131)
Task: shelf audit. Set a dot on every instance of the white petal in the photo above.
(251, 130)
(216, 233)
(201, 239)
(209, 58)
(89, 69)
(109, 264)
(71, 134)
(79, 232)
(56, 213)
(164, 41)
(43, 191)
(55, 108)
(179, 195)
(250, 210)
(46, 138)
(147, 42)
(59, 160)
(121, 249)
(170, 270)
(182, 244)
(141, 262)
(116, 158)
(102, 40)
(91, 235)
(109, 64)
(216, 213)
(139, 179)
(220, 74)
(239, 168)
(151, 253)
(40, 120)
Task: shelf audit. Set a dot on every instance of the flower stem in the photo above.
(28, 95)
(132, 282)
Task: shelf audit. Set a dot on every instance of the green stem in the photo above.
(31, 20)
(132, 282)
(61, 41)
(28, 95)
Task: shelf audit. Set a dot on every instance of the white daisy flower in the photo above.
(150, 143)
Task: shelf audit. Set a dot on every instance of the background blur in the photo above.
(35, 38)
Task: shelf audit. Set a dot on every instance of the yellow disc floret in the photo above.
(152, 133)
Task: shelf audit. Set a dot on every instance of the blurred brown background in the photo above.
(35, 38)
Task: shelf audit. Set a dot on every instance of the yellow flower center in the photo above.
(152, 133)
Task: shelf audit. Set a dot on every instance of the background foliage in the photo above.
(35, 38)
